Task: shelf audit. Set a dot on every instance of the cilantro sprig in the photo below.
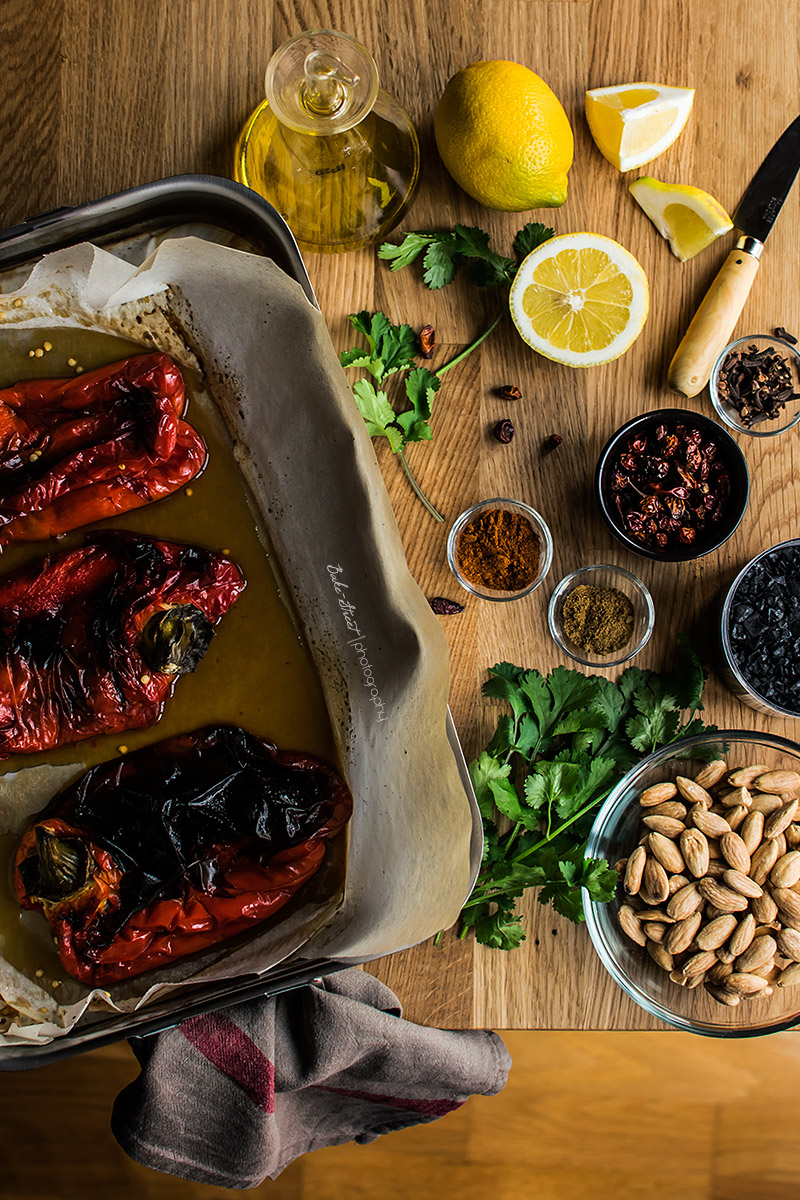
(554, 757)
(391, 348)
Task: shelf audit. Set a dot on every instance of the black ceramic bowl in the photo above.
(730, 454)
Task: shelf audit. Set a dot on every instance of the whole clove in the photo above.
(758, 384)
(504, 431)
(445, 607)
(781, 333)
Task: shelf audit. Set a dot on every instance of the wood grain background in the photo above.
(101, 95)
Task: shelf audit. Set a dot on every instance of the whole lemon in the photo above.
(504, 137)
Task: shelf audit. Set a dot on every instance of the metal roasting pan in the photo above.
(212, 204)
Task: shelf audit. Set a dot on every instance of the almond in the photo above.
(716, 932)
(765, 803)
(698, 964)
(736, 816)
(779, 820)
(792, 835)
(631, 925)
(676, 882)
(775, 782)
(786, 871)
(666, 825)
(655, 887)
(657, 794)
(763, 860)
(711, 773)
(735, 852)
(736, 796)
(717, 868)
(742, 883)
(719, 972)
(694, 848)
(742, 984)
(788, 941)
(680, 936)
(744, 776)
(655, 914)
(789, 904)
(752, 830)
(634, 871)
(685, 901)
(693, 791)
(743, 935)
(760, 951)
(660, 956)
(789, 976)
(725, 956)
(655, 930)
(723, 898)
(707, 822)
(670, 808)
(667, 853)
(722, 995)
(764, 908)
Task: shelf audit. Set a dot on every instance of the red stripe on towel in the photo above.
(427, 1108)
(232, 1052)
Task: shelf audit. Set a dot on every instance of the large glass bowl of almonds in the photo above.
(704, 931)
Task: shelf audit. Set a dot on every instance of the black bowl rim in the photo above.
(722, 435)
(724, 630)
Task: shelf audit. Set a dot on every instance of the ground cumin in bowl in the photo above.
(499, 549)
(601, 615)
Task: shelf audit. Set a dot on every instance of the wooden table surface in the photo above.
(101, 95)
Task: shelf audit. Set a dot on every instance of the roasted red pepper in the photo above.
(175, 848)
(78, 450)
(92, 640)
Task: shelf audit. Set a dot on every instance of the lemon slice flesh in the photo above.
(580, 299)
(689, 218)
(633, 123)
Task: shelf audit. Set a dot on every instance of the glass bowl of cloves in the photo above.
(755, 385)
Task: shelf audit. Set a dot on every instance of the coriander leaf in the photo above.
(506, 689)
(421, 386)
(534, 689)
(482, 771)
(599, 879)
(504, 736)
(377, 413)
(357, 358)
(396, 345)
(490, 273)
(580, 721)
(410, 248)
(649, 730)
(414, 428)
(528, 737)
(530, 236)
(508, 803)
(632, 679)
(440, 262)
(570, 689)
(536, 794)
(500, 930)
(362, 323)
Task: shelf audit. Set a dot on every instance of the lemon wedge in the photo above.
(633, 123)
(580, 299)
(687, 217)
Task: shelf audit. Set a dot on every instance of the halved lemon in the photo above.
(632, 123)
(689, 218)
(580, 299)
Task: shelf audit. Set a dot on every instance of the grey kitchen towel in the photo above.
(231, 1097)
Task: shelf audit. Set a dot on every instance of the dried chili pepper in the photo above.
(669, 485)
(444, 607)
(504, 431)
(427, 341)
(78, 450)
(92, 640)
(553, 442)
(175, 848)
(508, 391)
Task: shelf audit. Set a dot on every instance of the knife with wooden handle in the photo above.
(714, 321)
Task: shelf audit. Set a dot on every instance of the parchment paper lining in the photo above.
(380, 653)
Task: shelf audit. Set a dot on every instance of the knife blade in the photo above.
(712, 325)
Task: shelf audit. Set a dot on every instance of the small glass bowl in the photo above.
(613, 836)
(539, 528)
(727, 413)
(605, 576)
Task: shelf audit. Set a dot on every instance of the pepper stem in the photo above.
(418, 492)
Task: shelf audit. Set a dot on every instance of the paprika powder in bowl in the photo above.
(672, 485)
(500, 549)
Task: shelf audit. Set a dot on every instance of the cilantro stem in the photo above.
(473, 345)
(554, 834)
(418, 492)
